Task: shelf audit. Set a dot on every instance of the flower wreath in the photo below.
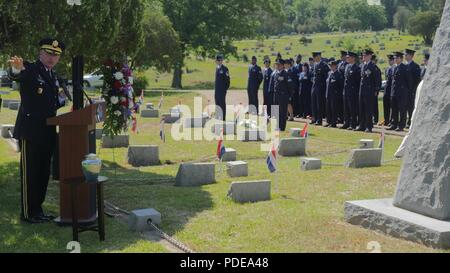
(119, 96)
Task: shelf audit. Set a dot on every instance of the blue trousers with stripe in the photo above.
(35, 160)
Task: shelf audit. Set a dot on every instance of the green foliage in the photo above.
(161, 42)
(425, 25)
(392, 7)
(140, 83)
(207, 27)
(351, 24)
(401, 18)
(370, 17)
(312, 26)
(96, 29)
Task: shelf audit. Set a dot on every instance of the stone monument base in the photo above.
(381, 215)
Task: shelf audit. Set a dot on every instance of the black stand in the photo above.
(100, 226)
(77, 82)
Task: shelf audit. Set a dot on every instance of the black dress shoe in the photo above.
(34, 220)
(326, 126)
(345, 127)
(399, 130)
(350, 128)
(392, 128)
(333, 126)
(47, 217)
(359, 129)
(368, 131)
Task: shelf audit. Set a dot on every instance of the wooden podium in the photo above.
(74, 128)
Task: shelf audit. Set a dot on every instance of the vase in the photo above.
(91, 167)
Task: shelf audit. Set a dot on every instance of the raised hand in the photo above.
(16, 63)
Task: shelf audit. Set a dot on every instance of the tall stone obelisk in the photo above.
(424, 183)
(420, 211)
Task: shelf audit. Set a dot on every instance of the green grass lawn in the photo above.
(202, 72)
(304, 215)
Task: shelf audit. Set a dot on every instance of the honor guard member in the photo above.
(401, 84)
(297, 69)
(340, 99)
(293, 86)
(311, 68)
(255, 77)
(221, 87)
(318, 100)
(415, 75)
(305, 91)
(281, 94)
(41, 97)
(267, 73)
(378, 84)
(343, 62)
(367, 92)
(335, 83)
(352, 81)
(389, 73)
(425, 65)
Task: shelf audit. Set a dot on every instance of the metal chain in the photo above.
(163, 235)
(171, 240)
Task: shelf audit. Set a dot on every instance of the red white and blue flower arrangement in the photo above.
(119, 96)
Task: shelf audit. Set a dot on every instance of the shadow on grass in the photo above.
(134, 189)
(130, 189)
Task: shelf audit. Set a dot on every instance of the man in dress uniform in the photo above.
(378, 84)
(367, 92)
(415, 74)
(221, 87)
(425, 65)
(41, 97)
(352, 80)
(343, 62)
(389, 73)
(255, 77)
(296, 70)
(281, 94)
(318, 99)
(311, 67)
(340, 99)
(401, 84)
(293, 86)
(335, 83)
(267, 73)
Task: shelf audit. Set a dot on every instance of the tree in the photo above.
(206, 27)
(351, 24)
(96, 29)
(340, 11)
(161, 42)
(401, 18)
(425, 25)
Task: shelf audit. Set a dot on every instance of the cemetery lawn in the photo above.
(199, 73)
(304, 215)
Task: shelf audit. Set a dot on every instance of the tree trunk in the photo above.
(177, 76)
(178, 69)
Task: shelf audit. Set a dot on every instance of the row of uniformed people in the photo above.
(403, 76)
(320, 90)
(344, 91)
(347, 91)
